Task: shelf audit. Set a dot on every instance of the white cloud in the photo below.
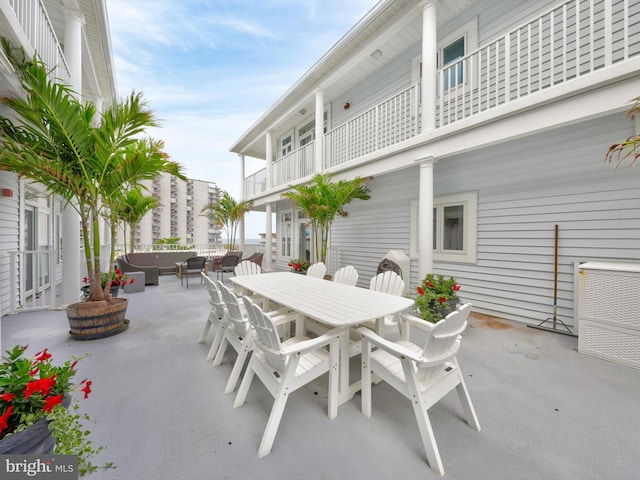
(209, 70)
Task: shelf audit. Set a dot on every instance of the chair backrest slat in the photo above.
(347, 275)
(443, 342)
(267, 338)
(317, 270)
(387, 282)
(215, 300)
(247, 267)
(234, 313)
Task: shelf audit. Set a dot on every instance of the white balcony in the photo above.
(568, 42)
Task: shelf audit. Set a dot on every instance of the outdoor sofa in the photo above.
(153, 264)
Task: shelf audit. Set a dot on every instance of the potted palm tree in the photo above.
(87, 158)
(322, 201)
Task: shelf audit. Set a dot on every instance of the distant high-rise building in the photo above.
(178, 215)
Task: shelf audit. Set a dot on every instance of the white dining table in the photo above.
(333, 304)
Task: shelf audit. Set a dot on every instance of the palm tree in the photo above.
(628, 149)
(87, 158)
(322, 200)
(132, 208)
(227, 213)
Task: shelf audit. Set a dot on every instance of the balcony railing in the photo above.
(33, 18)
(566, 42)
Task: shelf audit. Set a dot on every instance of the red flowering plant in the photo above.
(118, 279)
(437, 297)
(299, 265)
(33, 389)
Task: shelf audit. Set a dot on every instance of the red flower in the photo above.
(85, 280)
(420, 291)
(87, 388)
(51, 402)
(4, 418)
(7, 397)
(43, 355)
(44, 386)
(429, 285)
(456, 288)
(131, 281)
(442, 299)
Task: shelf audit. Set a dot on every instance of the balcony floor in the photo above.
(546, 411)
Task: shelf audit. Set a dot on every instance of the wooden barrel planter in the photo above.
(93, 320)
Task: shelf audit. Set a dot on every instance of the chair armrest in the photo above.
(417, 322)
(314, 343)
(392, 348)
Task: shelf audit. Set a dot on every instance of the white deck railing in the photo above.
(39, 291)
(566, 42)
(294, 166)
(35, 22)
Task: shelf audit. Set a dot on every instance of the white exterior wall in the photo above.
(524, 188)
(10, 224)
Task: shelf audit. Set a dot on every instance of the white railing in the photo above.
(32, 280)
(298, 164)
(390, 122)
(569, 41)
(33, 18)
(566, 42)
(255, 183)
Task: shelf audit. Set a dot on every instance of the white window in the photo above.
(286, 227)
(455, 223)
(307, 133)
(451, 48)
(286, 144)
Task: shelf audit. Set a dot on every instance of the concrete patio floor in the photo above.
(546, 411)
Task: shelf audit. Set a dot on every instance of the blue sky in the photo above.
(210, 69)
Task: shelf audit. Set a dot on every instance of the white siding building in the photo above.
(73, 40)
(484, 124)
(178, 215)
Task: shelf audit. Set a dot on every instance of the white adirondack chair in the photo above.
(347, 275)
(391, 283)
(286, 367)
(423, 374)
(236, 331)
(247, 267)
(215, 317)
(317, 270)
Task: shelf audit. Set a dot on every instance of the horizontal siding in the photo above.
(9, 234)
(525, 188)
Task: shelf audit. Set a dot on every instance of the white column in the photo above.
(425, 218)
(72, 253)
(268, 243)
(429, 66)
(242, 197)
(269, 158)
(319, 146)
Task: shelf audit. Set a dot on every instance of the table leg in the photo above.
(344, 393)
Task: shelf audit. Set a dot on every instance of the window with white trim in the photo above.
(286, 227)
(455, 226)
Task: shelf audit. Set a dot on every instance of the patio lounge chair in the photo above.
(215, 318)
(228, 263)
(193, 265)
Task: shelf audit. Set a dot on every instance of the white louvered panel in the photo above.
(610, 343)
(609, 311)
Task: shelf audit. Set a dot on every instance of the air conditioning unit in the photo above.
(609, 311)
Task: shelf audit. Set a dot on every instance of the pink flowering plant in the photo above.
(32, 389)
(436, 294)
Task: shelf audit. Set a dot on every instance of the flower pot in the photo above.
(36, 439)
(92, 320)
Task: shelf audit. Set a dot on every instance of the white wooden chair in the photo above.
(423, 374)
(347, 275)
(215, 317)
(236, 331)
(247, 267)
(286, 367)
(317, 270)
(391, 283)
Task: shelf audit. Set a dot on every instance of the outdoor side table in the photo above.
(138, 282)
